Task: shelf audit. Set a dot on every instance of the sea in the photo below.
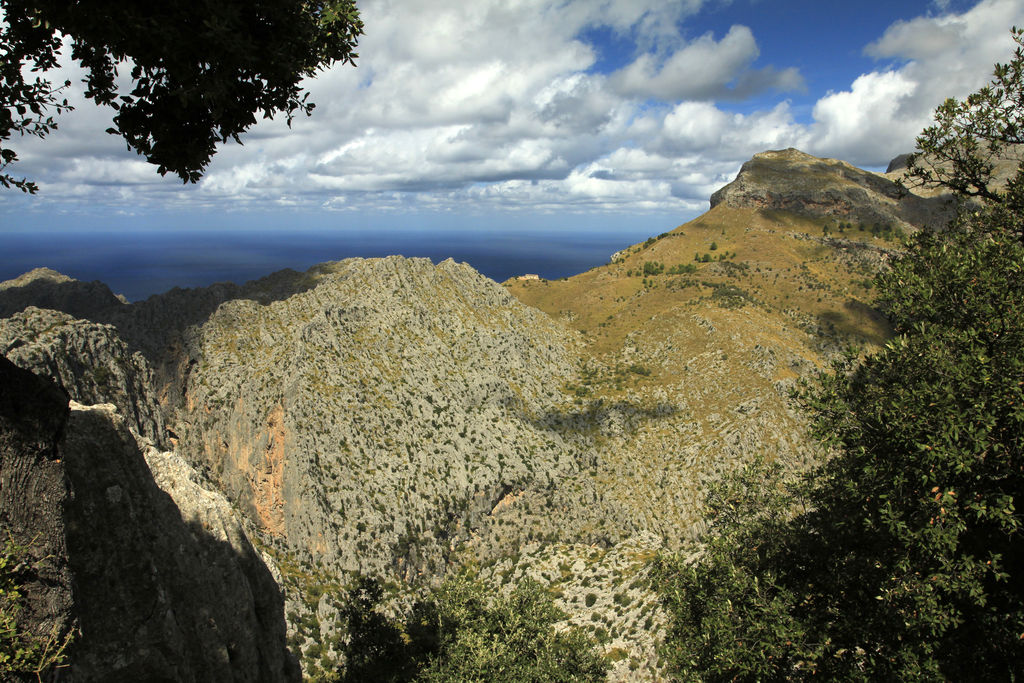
(138, 264)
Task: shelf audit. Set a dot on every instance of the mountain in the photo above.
(46, 288)
(790, 180)
(89, 360)
(398, 419)
(720, 316)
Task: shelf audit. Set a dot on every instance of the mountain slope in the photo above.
(399, 419)
(371, 418)
(717, 318)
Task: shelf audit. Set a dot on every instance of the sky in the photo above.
(570, 114)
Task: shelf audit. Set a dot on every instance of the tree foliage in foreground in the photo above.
(901, 557)
(507, 637)
(960, 150)
(200, 71)
(464, 632)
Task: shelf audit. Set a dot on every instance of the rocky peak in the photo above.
(86, 359)
(791, 180)
(384, 380)
(36, 275)
(46, 288)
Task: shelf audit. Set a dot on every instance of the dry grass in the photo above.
(786, 272)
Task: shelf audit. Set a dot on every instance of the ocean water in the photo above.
(138, 264)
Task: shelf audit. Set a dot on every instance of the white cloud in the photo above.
(704, 69)
(920, 38)
(936, 57)
(495, 104)
(865, 122)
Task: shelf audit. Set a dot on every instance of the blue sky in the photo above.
(572, 114)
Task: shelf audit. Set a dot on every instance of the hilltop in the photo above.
(720, 316)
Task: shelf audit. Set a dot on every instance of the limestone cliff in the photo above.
(89, 361)
(790, 180)
(154, 584)
(166, 588)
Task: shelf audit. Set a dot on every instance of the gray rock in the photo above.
(162, 592)
(790, 180)
(89, 361)
(373, 417)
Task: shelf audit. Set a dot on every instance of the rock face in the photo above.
(166, 588)
(160, 584)
(89, 361)
(33, 493)
(790, 180)
(373, 416)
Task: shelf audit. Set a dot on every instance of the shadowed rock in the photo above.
(46, 288)
(33, 493)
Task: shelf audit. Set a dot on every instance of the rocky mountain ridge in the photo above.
(400, 419)
(790, 180)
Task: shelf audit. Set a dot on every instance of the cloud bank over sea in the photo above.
(576, 106)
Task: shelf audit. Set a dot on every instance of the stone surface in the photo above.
(33, 495)
(790, 180)
(163, 591)
(89, 361)
(374, 416)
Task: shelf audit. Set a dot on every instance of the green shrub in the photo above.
(23, 654)
(653, 268)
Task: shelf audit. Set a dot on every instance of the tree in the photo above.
(506, 637)
(376, 650)
(961, 149)
(902, 556)
(462, 631)
(200, 71)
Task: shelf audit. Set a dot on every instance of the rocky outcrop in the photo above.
(33, 493)
(89, 361)
(166, 588)
(790, 180)
(157, 584)
(46, 288)
(897, 164)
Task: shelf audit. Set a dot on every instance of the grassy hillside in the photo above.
(780, 279)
